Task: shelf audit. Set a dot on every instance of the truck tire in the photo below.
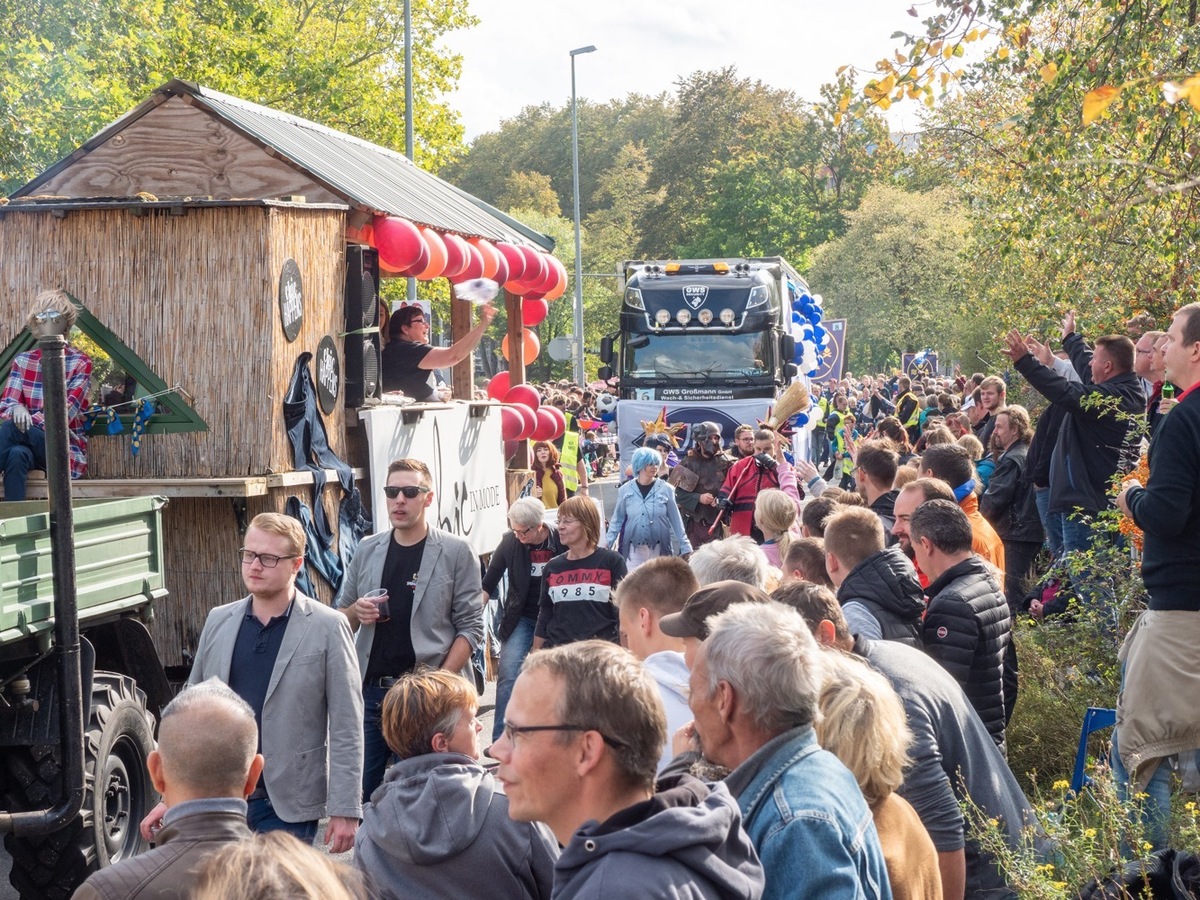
(117, 794)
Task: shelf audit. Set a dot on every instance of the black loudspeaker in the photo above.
(363, 378)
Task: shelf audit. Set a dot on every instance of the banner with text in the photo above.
(638, 420)
(465, 455)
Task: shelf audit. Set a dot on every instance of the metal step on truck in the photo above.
(80, 684)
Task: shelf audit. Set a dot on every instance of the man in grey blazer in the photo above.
(433, 615)
(292, 659)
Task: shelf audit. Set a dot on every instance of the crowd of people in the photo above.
(769, 676)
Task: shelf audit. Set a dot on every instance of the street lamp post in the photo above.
(579, 375)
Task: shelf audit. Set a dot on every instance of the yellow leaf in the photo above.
(1049, 72)
(947, 52)
(901, 58)
(885, 86)
(842, 69)
(844, 103)
(929, 100)
(935, 47)
(1097, 101)
(883, 102)
(971, 35)
(1002, 53)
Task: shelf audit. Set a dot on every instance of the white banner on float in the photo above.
(465, 455)
(729, 414)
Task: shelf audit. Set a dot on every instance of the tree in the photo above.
(897, 275)
(530, 190)
(71, 69)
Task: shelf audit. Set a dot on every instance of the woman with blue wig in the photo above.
(647, 517)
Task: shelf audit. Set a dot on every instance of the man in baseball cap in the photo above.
(691, 622)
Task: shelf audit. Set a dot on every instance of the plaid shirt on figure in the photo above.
(24, 387)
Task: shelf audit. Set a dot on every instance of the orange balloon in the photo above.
(530, 342)
(491, 256)
(437, 254)
(560, 286)
(385, 267)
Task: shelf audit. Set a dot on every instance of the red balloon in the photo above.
(530, 419)
(560, 421)
(533, 312)
(397, 240)
(560, 286)
(501, 274)
(512, 423)
(473, 268)
(515, 259)
(550, 277)
(546, 425)
(499, 385)
(535, 268)
(419, 266)
(437, 254)
(523, 394)
(532, 297)
(491, 256)
(456, 255)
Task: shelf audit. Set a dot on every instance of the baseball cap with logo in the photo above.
(692, 620)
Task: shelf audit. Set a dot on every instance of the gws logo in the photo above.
(695, 295)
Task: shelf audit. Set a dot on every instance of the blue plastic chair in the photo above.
(1094, 719)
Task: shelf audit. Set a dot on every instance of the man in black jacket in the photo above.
(523, 553)
(1099, 436)
(967, 626)
(875, 470)
(1157, 714)
(878, 588)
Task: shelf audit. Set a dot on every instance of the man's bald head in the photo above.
(207, 740)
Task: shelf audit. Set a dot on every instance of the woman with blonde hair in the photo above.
(863, 724)
(438, 826)
(274, 865)
(775, 515)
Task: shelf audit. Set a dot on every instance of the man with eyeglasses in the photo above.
(291, 658)
(408, 359)
(579, 753)
(432, 613)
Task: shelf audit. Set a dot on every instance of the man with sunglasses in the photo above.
(291, 658)
(434, 616)
(579, 752)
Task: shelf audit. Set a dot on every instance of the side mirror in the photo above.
(606, 350)
(787, 346)
(790, 371)
(604, 373)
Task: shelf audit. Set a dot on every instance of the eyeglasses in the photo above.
(521, 532)
(511, 732)
(567, 520)
(410, 491)
(269, 560)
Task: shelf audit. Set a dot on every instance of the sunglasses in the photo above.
(411, 492)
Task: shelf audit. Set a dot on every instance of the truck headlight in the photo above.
(683, 316)
(633, 299)
(705, 316)
(662, 317)
(727, 316)
(758, 296)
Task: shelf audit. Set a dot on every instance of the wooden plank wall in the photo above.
(179, 150)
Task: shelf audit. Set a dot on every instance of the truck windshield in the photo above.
(671, 356)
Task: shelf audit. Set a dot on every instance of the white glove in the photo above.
(21, 418)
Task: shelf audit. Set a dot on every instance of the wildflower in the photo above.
(1089, 833)
(1060, 785)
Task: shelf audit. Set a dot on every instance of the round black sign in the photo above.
(291, 300)
(329, 374)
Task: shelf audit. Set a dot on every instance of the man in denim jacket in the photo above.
(754, 691)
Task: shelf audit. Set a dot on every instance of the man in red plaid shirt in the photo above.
(22, 418)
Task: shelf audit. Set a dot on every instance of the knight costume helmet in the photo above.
(706, 437)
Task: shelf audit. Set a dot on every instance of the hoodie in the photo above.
(881, 598)
(684, 843)
(438, 826)
(671, 674)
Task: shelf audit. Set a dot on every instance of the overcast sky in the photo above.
(518, 54)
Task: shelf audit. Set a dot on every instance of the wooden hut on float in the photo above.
(210, 241)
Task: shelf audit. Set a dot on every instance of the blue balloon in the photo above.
(811, 372)
(607, 416)
(820, 333)
(797, 319)
(798, 305)
(802, 419)
(817, 315)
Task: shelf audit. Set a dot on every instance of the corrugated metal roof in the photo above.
(367, 175)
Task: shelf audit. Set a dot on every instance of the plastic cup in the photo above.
(379, 597)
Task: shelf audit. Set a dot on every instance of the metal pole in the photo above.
(579, 374)
(66, 612)
(410, 290)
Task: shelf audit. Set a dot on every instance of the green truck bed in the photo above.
(118, 565)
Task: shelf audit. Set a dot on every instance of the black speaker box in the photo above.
(363, 378)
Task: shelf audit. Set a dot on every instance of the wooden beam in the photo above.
(463, 375)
